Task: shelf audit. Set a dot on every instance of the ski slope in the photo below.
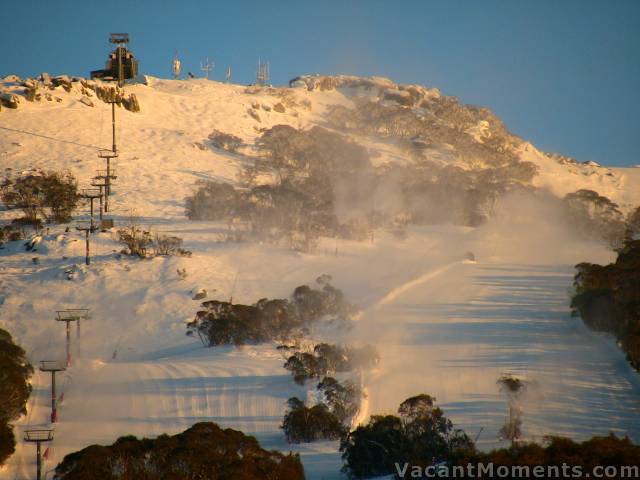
(450, 334)
(443, 325)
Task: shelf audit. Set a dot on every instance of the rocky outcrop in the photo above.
(253, 114)
(9, 100)
(376, 88)
(44, 86)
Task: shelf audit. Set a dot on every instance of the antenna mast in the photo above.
(228, 74)
(206, 67)
(176, 67)
(262, 75)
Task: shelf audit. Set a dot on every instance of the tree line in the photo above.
(607, 297)
(226, 323)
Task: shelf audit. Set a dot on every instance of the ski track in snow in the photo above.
(396, 292)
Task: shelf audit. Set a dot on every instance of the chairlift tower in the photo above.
(104, 178)
(101, 185)
(80, 314)
(206, 67)
(91, 194)
(38, 436)
(53, 367)
(72, 315)
(87, 228)
(108, 175)
(64, 316)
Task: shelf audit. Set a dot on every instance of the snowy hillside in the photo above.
(443, 325)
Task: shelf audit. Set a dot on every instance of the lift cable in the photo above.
(50, 138)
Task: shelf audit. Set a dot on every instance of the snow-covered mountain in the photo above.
(164, 146)
(443, 325)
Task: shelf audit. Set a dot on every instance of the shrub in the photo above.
(25, 194)
(204, 451)
(139, 242)
(225, 141)
(60, 195)
(420, 434)
(167, 245)
(513, 388)
(343, 399)
(315, 152)
(328, 359)
(213, 201)
(136, 240)
(53, 195)
(304, 424)
(15, 372)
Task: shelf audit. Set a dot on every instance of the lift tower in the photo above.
(87, 228)
(91, 194)
(53, 367)
(68, 316)
(38, 436)
(108, 174)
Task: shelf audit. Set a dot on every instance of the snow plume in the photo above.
(466, 308)
(361, 197)
(532, 227)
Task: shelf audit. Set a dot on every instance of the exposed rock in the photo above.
(297, 82)
(200, 294)
(253, 114)
(62, 80)
(71, 272)
(12, 79)
(131, 103)
(9, 100)
(399, 96)
(45, 78)
(591, 163)
(86, 101)
(32, 95)
(266, 108)
(279, 107)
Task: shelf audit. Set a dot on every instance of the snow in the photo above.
(620, 184)
(443, 325)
